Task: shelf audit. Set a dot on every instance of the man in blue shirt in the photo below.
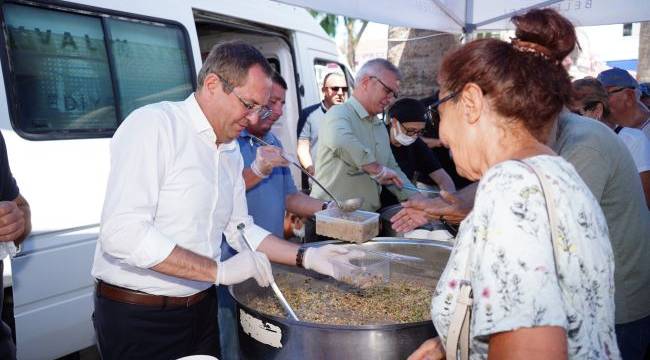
(270, 189)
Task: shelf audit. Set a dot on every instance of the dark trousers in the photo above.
(7, 346)
(126, 331)
(634, 339)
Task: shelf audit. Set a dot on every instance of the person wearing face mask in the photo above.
(413, 156)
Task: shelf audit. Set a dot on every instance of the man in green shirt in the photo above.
(354, 157)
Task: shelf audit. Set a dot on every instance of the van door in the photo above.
(71, 74)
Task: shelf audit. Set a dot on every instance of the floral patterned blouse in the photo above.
(507, 241)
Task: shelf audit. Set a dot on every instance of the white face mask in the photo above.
(400, 137)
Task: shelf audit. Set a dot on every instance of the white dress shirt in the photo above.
(169, 185)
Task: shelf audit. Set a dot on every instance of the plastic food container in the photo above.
(366, 271)
(357, 226)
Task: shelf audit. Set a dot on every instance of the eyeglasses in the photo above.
(433, 108)
(388, 90)
(619, 90)
(262, 111)
(412, 131)
(590, 106)
(337, 88)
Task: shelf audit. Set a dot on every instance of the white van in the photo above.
(72, 71)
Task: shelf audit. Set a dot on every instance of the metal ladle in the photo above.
(348, 205)
(274, 286)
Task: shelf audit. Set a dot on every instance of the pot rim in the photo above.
(383, 240)
(288, 321)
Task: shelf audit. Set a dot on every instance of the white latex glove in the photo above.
(387, 176)
(267, 158)
(243, 266)
(319, 258)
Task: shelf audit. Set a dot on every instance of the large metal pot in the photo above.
(386, 228)
(263, 336)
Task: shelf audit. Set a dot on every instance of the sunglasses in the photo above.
(338, 88)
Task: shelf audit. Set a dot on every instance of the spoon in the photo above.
(348, 205)
(274, 286)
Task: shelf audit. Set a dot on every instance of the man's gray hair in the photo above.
(231, 62)
(375, 66)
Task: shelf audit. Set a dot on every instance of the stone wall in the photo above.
(419, 58)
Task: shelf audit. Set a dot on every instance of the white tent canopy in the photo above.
(469, 15)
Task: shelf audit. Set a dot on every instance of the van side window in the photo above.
(60, 68)
(149, 64)
(78, 75)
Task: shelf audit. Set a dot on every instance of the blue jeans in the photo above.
(634, 339)
(227, 315)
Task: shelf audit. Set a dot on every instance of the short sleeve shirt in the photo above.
(8, 188)
(266, 201)
(310, 128)
(639, 147)
(506, 243)
(606, 166)
(415, 157)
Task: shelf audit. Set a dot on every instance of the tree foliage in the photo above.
(354, 30)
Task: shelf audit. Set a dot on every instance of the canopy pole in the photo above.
(469, 27)
(448, 12)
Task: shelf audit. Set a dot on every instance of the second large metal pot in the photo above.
(263, 336)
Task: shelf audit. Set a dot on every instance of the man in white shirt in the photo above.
(589, 98)
(625, 103)
(174, 189)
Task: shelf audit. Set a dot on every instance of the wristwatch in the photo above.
(300, 256)
(326, 204)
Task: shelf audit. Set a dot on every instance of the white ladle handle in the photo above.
(274, 286)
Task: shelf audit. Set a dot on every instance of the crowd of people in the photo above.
(549, 180)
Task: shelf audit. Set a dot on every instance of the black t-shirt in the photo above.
(8, 187)
(443, 156)
(416, 157)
